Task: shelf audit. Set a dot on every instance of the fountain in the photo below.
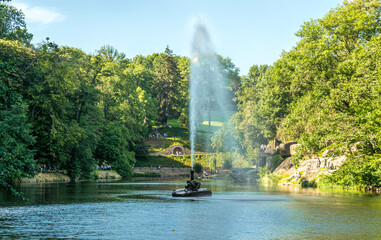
(207, 90)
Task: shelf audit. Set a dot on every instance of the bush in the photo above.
(122, 165)
(265, 176)
(358, 172)
(276, 160)
(306, 184)
(228, 163)
(197, 167)
(206, 161)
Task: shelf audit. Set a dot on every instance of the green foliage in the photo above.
(197, 167)
(309, 184)
(211, 161)
(265, 176)
(357, 172)
(228, 163)
(122, 165)
(176, 130)
(164, 161)
(114, 143)
(85, 109)
(324, 92)
(224, 139)
(15, 65)
(167, 86)
(16, 158)
(12, 24)
(276, 160)
(336, 80)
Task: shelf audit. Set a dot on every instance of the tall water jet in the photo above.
(207, 92)
(208, 86)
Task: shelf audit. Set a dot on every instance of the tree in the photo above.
(114, 148)
(167, 86)
(12, 24)
(65, 107)
(322, 92)
(16, 158)
(183, 64)
(16, 65)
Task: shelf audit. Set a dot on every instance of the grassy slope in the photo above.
(179, 134)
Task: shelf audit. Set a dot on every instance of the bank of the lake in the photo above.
(164, 172)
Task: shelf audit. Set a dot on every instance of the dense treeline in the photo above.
(324, 93)
(69, 110)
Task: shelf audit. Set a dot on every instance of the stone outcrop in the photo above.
(284, 167)
(263, 159)
(310, 169)
(327, 152)
(293, 149)
(285, 149)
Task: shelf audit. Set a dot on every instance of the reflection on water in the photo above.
(144, 209)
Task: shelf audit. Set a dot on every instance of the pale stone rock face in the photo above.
(311, 168)
(284, 149)
(293, 149)
(327, 152)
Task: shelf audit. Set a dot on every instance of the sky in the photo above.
(247, 31)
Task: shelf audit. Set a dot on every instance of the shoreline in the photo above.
(52, 177)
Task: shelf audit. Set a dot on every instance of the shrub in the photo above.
(228, 163)
(197, 167)
(206, 161)
(276, 160)
(358, 172)
(122, 165)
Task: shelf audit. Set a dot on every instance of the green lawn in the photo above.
(179, 134)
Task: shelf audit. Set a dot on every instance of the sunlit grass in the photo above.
(179, 134)
(213, 123)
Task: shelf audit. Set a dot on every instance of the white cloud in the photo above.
(39, 14)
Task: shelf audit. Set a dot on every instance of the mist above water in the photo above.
(208, 92)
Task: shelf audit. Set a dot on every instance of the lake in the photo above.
(145, 209)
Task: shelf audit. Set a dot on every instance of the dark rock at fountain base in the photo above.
(201, 192)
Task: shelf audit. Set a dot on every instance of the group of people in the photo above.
(46, 168)
(104, 167)
(154, 135)
(264, 148)
(157, 135)
(157, 167)
(268, 148)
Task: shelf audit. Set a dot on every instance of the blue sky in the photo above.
(249, 32)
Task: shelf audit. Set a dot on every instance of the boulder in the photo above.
(284, 149)
(293, 149)
(327, 152)
(284, 168)
(357, 146)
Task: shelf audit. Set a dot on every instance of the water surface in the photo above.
(145, 209)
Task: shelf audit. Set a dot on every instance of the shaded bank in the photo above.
(109, 175)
